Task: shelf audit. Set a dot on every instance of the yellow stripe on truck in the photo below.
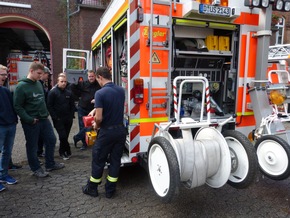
(245, 114)
(149, 120)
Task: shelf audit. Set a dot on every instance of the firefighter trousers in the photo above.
(109, 146)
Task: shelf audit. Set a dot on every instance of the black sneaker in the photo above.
(41, 155)
(14, 167)
(90, 189)
(84, 147)
(64, 157)
(68, 154)
(57, 166)
(110, 194)
(75, 140)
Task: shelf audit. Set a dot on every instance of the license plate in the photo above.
(215, 10)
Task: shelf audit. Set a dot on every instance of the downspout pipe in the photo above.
(68, 19)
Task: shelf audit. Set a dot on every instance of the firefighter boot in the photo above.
(110, 189)
(91, 188)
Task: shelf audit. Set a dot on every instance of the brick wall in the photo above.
(287, 25)
(52, 15)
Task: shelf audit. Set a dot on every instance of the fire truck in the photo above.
(18, 63)
(186, 67)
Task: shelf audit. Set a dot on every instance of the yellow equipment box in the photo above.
(212, 42)
(224, 43)
(91, 137)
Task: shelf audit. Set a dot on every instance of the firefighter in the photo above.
(108, 117)
(109, 58)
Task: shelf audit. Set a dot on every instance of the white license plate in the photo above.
(215, 10)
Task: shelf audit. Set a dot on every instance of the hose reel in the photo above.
(206, 159)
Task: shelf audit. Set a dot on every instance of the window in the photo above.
(280, 33)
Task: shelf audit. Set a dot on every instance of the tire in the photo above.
(163, 168)
(273, 155)
(244, 161)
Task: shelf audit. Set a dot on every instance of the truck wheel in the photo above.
(244, 162)
(163, 168)
(273, 156)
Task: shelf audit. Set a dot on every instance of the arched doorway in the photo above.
(22, 40)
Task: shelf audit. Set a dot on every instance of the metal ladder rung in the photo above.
(160, 26)
(160, 70)
(160, 48)
(159, 112)
(168, 3)
(159, 91)
(160, 97)
(160, 44)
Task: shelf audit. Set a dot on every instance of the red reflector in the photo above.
(214, 125)
(138, 91)
(134, 159)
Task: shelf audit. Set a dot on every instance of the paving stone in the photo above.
(60, 195)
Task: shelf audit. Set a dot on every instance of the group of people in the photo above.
(98, 97)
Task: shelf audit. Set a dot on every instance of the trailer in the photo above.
(186, 67)
(270, 103)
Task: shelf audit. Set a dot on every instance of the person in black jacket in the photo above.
(60, 104)
(86, 91)
(45, 81)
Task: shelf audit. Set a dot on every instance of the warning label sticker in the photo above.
(155, 59)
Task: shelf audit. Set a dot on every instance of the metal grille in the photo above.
(94, 3)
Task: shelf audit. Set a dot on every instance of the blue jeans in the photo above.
(7, 136)
(32, 132)
(82, 132)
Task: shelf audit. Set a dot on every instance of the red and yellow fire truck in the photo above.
(18, 63)
(186, 67)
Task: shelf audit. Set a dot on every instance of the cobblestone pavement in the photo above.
(60, 194)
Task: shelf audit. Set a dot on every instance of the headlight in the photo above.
(276, 97)
(257, 3)
(287, 6)
(278, 5)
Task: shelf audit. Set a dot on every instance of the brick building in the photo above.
(29, 25)
(286, 24)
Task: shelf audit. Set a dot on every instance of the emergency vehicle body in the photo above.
(18, 63)
(185, 67)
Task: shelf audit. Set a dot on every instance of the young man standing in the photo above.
(44, 80)
(61, 106)
(8, 121)
(29, 104)
(86, 91)
(108, 116)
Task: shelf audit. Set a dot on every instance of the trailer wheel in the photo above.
(163, 168)
(273, 156)
(244, 162)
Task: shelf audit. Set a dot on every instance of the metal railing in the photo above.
(94, 3)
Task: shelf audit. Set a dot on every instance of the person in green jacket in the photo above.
(29, 104)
